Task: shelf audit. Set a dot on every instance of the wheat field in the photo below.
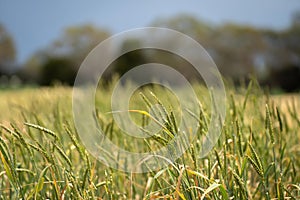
(256, 157)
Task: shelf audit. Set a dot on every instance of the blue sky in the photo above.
(35, 24)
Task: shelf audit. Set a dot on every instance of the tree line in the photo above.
(238, 50)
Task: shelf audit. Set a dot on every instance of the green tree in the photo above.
(7, 50)
(195, 28)
(58, 70)
(62, 58)
(232, 47)
(235, 49)
(129, 60)
(76, 42)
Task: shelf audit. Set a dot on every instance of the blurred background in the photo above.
(42, 43)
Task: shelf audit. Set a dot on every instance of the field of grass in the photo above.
(256, 157)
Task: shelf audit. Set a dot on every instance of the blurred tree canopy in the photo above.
(7, 51)
(60, 61)
(131, 59)
(77, 42)
(238, 51)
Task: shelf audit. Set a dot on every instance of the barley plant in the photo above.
(256, 157)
